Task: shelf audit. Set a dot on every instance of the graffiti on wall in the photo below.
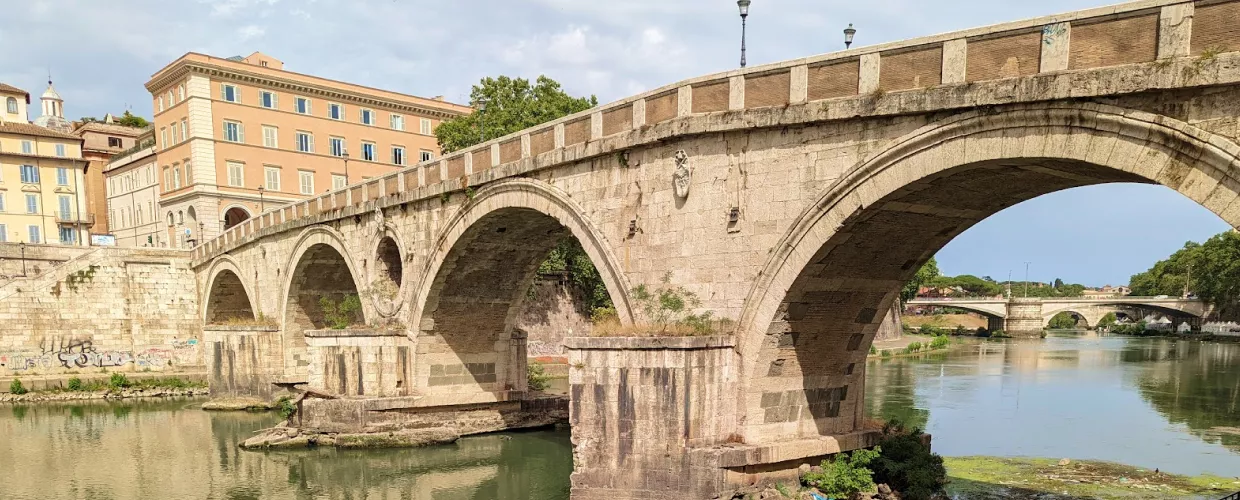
(77, 353)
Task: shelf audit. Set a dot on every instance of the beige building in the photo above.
(132, 204)
(100, 142)
(238, 136)
(42, 192)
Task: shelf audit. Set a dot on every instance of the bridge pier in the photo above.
(1024, 316)
(656, 418)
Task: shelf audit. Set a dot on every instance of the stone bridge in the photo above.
(1032, 314)
(793, 198)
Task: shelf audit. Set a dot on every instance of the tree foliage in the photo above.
(131, 120)
(907, 465)
(1215, 273)
(570, 260)
(1107, 320)
(1062, 321)
(927, 272)
(512, 104)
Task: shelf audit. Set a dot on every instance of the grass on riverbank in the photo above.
(115, 383)
(974, 478)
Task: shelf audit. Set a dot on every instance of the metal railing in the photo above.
(75, 218)
(1233, 496)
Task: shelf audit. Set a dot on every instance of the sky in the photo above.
(100, 53)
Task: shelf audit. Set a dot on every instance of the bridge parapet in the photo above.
(854, 82)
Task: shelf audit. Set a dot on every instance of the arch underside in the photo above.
(228, 300)
(474, 302)
(321, 273)
(810, 369)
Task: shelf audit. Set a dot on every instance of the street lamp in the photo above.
(23, 246)
(1026, 279)
(482, 121)
(261, 204)
(743, 5)
(345, 154)
(849, 32)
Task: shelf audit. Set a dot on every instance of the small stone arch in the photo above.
(233, 215)
(897, 207)
(228, 294)
(387, 273)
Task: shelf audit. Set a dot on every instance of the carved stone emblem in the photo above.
(378, 220)
(682, 176)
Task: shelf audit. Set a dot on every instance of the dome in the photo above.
(53, 122)
(53, 116)
(50, 93)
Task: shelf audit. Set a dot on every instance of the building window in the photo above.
(236, 174)
(335, 111)
(230, 93)
(398, 155)
(12, 105)
(163, 138)
(305, 142)
(170, 101)
(427, 155)
(233, 132)
(181, 91)
(170, 221)
(368, 151)
(273, 178)
(27, 147)
(306, 181)
(4, 233)
(337, 181)
(115, 142)
(66, 207)
(167, 179)
(184, 130)
(34, 234)
(174, 131)
(67, 235)
(176, 177)
(337, 146)
(62, 176)
(262, 63)
(32, 203)
(30, 174)
(1, 203)
(426, 126)
(368, 117)
(269, 136)
(301, 105)
(161, 104)
(267, 99)
(189, 174)
(398, 122)
(60, 150)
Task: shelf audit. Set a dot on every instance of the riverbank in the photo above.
(115, 386)
(911, 345)
(984, 478)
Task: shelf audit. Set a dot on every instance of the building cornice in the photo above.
(195, 67)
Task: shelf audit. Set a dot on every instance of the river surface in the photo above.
(1147, 402)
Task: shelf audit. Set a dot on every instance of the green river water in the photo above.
(1148, 402)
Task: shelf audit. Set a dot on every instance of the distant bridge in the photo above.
(1023, 314)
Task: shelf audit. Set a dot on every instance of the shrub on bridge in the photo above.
(846, 475)
(537, 377)
(343, 314)
(907, 465)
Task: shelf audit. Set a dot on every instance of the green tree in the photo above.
(928, 272)
(1107, 320)
(1058, 283)
(131, 120)
(1062, 321)
(1215, 273)
(512, 104)
(569, 259)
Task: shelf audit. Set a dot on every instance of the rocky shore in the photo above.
(284, 437)
(54, 396)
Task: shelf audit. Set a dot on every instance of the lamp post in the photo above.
(849, 32)
(345, 154)
(23, 246)
(1026, 279)
(482, 120)
(743, 5)
(261, 203)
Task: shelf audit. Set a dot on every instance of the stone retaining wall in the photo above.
(109, 309)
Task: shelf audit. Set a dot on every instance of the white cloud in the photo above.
(250, 31)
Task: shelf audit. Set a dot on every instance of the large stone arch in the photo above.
(228, 293)
(812, 313)
(320, 265)
(469, 294)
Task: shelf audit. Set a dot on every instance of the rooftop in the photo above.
(33, 130)
(9, 89)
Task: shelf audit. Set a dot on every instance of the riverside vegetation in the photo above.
(118, 385)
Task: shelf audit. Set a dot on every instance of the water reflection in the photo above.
(1147, 402)
(171, 449)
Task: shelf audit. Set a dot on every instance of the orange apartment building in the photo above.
(239, 136)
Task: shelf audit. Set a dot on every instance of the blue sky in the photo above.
(102, 52)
